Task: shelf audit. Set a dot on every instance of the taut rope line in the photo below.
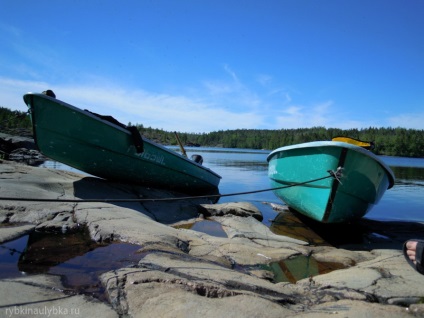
(333, 174)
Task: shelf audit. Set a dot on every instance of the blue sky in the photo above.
(201, 66)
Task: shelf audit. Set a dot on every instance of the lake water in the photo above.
(245, 170)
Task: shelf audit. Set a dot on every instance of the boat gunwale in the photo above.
(338, 144)
(87, 113)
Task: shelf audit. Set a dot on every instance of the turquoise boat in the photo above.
(101, 146)
(359, 179)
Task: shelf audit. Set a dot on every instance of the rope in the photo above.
(333, 174)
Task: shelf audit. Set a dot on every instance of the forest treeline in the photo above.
(11, 119)
(388, 141)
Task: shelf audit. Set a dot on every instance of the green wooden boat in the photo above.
(87, 142)
(364, 179)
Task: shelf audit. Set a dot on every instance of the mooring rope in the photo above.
(332, 174)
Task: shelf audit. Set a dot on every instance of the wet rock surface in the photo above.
(182, 272)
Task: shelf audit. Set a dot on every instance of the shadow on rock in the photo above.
(161, 205)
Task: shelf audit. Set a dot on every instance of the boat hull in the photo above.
(363, 181)
(88, 143)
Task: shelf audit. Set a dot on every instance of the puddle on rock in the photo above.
(288, 224)
(300, 267)
(74, 257)
(291, 270)
(10, 253)
(212, 228)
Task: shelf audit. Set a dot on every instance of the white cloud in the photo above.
(164, 111)
(216, 88)
(272, 90)
(10, 31)
(414, 121)
(11, 92)
(264, 79)
(295, 116)
(231, 73)
(293, 111)
(221, 108)
(232, 94)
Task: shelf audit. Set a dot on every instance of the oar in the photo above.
(181, 145)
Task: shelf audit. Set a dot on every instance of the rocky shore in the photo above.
(181, 272)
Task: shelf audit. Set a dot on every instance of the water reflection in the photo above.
(243, 165)
(212, 228)
(300, 267)
(245, 170)
(361, 234)
(409, 175)
(403, 162)
(10, 252)
(77, 259)
(289, 224)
